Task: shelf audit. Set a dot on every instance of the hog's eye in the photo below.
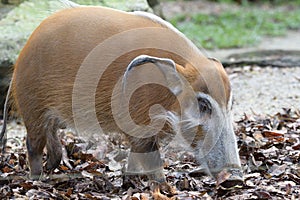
(204, 105)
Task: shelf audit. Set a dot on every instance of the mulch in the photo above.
(269, 148)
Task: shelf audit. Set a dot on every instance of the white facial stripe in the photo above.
(207, 123)
(230, 101)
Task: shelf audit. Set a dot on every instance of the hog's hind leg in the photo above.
(35, 142)
(39, 135)
(54, 148)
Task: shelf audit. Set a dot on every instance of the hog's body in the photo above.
(46, 70)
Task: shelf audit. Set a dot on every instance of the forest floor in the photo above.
(267, 125)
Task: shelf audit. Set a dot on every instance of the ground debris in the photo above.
(269, 150)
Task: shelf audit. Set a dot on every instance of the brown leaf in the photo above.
(89, 196)
(159, 196)
(276, 135)
(296, 147)
(64, 168)
(77, 162)
(69, 192)
(143, 196)
(7, 169)
(263, 195)
(288, 189)
(11, 161)
(26, 185)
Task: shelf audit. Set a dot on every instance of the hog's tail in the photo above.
(5, 113)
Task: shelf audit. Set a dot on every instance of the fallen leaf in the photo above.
(276, 170)
(263, 195)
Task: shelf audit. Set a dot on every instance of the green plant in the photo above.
(237, 28)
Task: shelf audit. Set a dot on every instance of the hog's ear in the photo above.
(165, 65)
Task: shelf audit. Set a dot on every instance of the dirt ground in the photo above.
(264, 90)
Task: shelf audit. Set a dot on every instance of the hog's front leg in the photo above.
(145, 158)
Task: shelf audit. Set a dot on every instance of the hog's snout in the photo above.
(218, 152)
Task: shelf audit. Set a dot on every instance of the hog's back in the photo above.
(45, 71)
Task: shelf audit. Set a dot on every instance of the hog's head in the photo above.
(201, 117)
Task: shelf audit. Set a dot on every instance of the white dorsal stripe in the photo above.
(168, 25)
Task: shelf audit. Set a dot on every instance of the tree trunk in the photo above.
(157, 9)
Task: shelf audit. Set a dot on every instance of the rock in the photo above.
(15, 2)
(274, 58)
(17, 24)
(5, 72)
